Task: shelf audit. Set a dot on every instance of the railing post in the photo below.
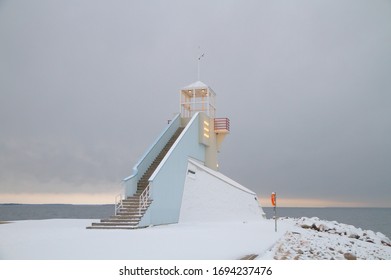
(143, 199)
(118, 203)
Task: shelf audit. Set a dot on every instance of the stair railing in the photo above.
(118, 203)
(144, 199)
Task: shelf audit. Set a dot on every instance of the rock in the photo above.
(314, 227)
(331, 249)
(300, 252)
(349, 256)
(356, 236)
(305, 226)
(323, 227)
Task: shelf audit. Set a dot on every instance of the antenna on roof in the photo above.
(201, 55)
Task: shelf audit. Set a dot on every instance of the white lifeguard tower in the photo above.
(197, 97)
(177, 178)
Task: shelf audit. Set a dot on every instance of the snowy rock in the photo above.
(356, 236)
(320, 239)
(305, 226)
(349, 256)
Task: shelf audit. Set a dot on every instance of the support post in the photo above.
(274, 203)
(275, 218)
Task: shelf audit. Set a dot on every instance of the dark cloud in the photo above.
(86, 86)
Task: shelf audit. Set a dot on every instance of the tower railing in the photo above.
(222, 124)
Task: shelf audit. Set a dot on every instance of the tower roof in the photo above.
(196, 85)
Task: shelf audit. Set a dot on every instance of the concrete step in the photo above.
(116, 219)
(249, 257)
(112, 227)
(125, 217)
(116, 224)
(129, 209)
(135, 198)
(133, 206)
(132, 198)
(143, 182)
(130, 206)
(130, 212)
(130, 203)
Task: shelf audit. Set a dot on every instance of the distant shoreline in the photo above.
(268, 207)
(374, 218)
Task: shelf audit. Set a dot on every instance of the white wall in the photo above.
(209, 196)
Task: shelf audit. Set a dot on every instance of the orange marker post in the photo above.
(274, 203)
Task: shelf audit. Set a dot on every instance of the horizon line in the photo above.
(108, 198)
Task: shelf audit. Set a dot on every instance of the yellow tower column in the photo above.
(199, 97)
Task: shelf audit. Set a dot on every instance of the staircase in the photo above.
(130, 210)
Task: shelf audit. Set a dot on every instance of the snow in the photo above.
(315, 239)
(305, 238)
(196, 85)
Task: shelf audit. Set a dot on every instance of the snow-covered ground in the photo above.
(68, 239)
(296, 239)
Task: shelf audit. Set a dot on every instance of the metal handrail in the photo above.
(118, 203)
(144, 198)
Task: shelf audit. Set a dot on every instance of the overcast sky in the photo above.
(86, 87)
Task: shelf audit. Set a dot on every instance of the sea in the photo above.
(375, 219)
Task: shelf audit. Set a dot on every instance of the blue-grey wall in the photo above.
(130, 183)
(168, 180)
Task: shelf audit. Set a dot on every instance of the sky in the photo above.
(86, 87)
